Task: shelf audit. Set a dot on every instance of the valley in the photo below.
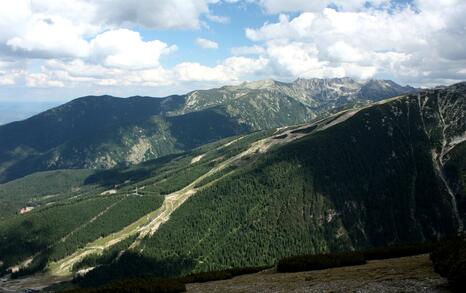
(362, 177)
(232, 146)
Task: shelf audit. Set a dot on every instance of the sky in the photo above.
(52, 51)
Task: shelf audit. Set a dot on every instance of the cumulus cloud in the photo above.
(62, 29)
(206, 44)
(154, 14)
(218, 18)
(10, 72)
(277, 6)
(403, 43)
(248, 50)
(125, 48)
(83, 42)
(75, 73)
(49, 37)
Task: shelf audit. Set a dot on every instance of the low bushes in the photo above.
(331, 260)
(398, 250)
(206, 277)
(220, 275)
(449, 259)
(320, 261)
(248, 270)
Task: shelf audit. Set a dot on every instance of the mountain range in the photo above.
(310, 174)
(103, 131)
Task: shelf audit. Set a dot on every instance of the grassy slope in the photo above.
(40, 188)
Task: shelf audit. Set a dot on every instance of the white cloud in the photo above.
(218, 18)
(232, 69)
(407, 44)
(45, 37)
(154, 14)
(251, 50)
(285, 29)
(277, 6)
(341, 51)
(62, 29)
(42, 80)
(206, 44)
(125, 48)
(76, 73)
(94, 44)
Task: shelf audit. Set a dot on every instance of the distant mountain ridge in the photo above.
(105, 131)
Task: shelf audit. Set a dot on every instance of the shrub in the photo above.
(220, 275)
(206, 277)
(449, 260)
(247, 270)
(319, 261)
(398, 251)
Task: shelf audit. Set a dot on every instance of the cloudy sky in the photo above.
(52, 51)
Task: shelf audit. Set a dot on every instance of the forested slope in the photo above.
(370, 179)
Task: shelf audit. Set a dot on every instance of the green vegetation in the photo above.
(138, 193)
(363, 183)
(400, 250)
(106, 257)
(104, 132)
(178, 179)
(26, 235)
(319, 261)
(41, 188)
(53, 232)
(202, 277)
(296, 199)
(121, 213)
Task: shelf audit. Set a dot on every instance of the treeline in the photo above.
(178, 179)
(31, 190)
(59, 231)
(124, 211)
(320, 261)
(148, 268)
(107, 256)
(300, 263)
(26, 235)
(359, 184)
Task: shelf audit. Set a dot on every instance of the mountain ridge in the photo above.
(106, 131)
(357, 179)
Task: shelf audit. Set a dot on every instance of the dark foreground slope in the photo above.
(406, 274)
(356, 180)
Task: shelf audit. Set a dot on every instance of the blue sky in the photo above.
(52, 51)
